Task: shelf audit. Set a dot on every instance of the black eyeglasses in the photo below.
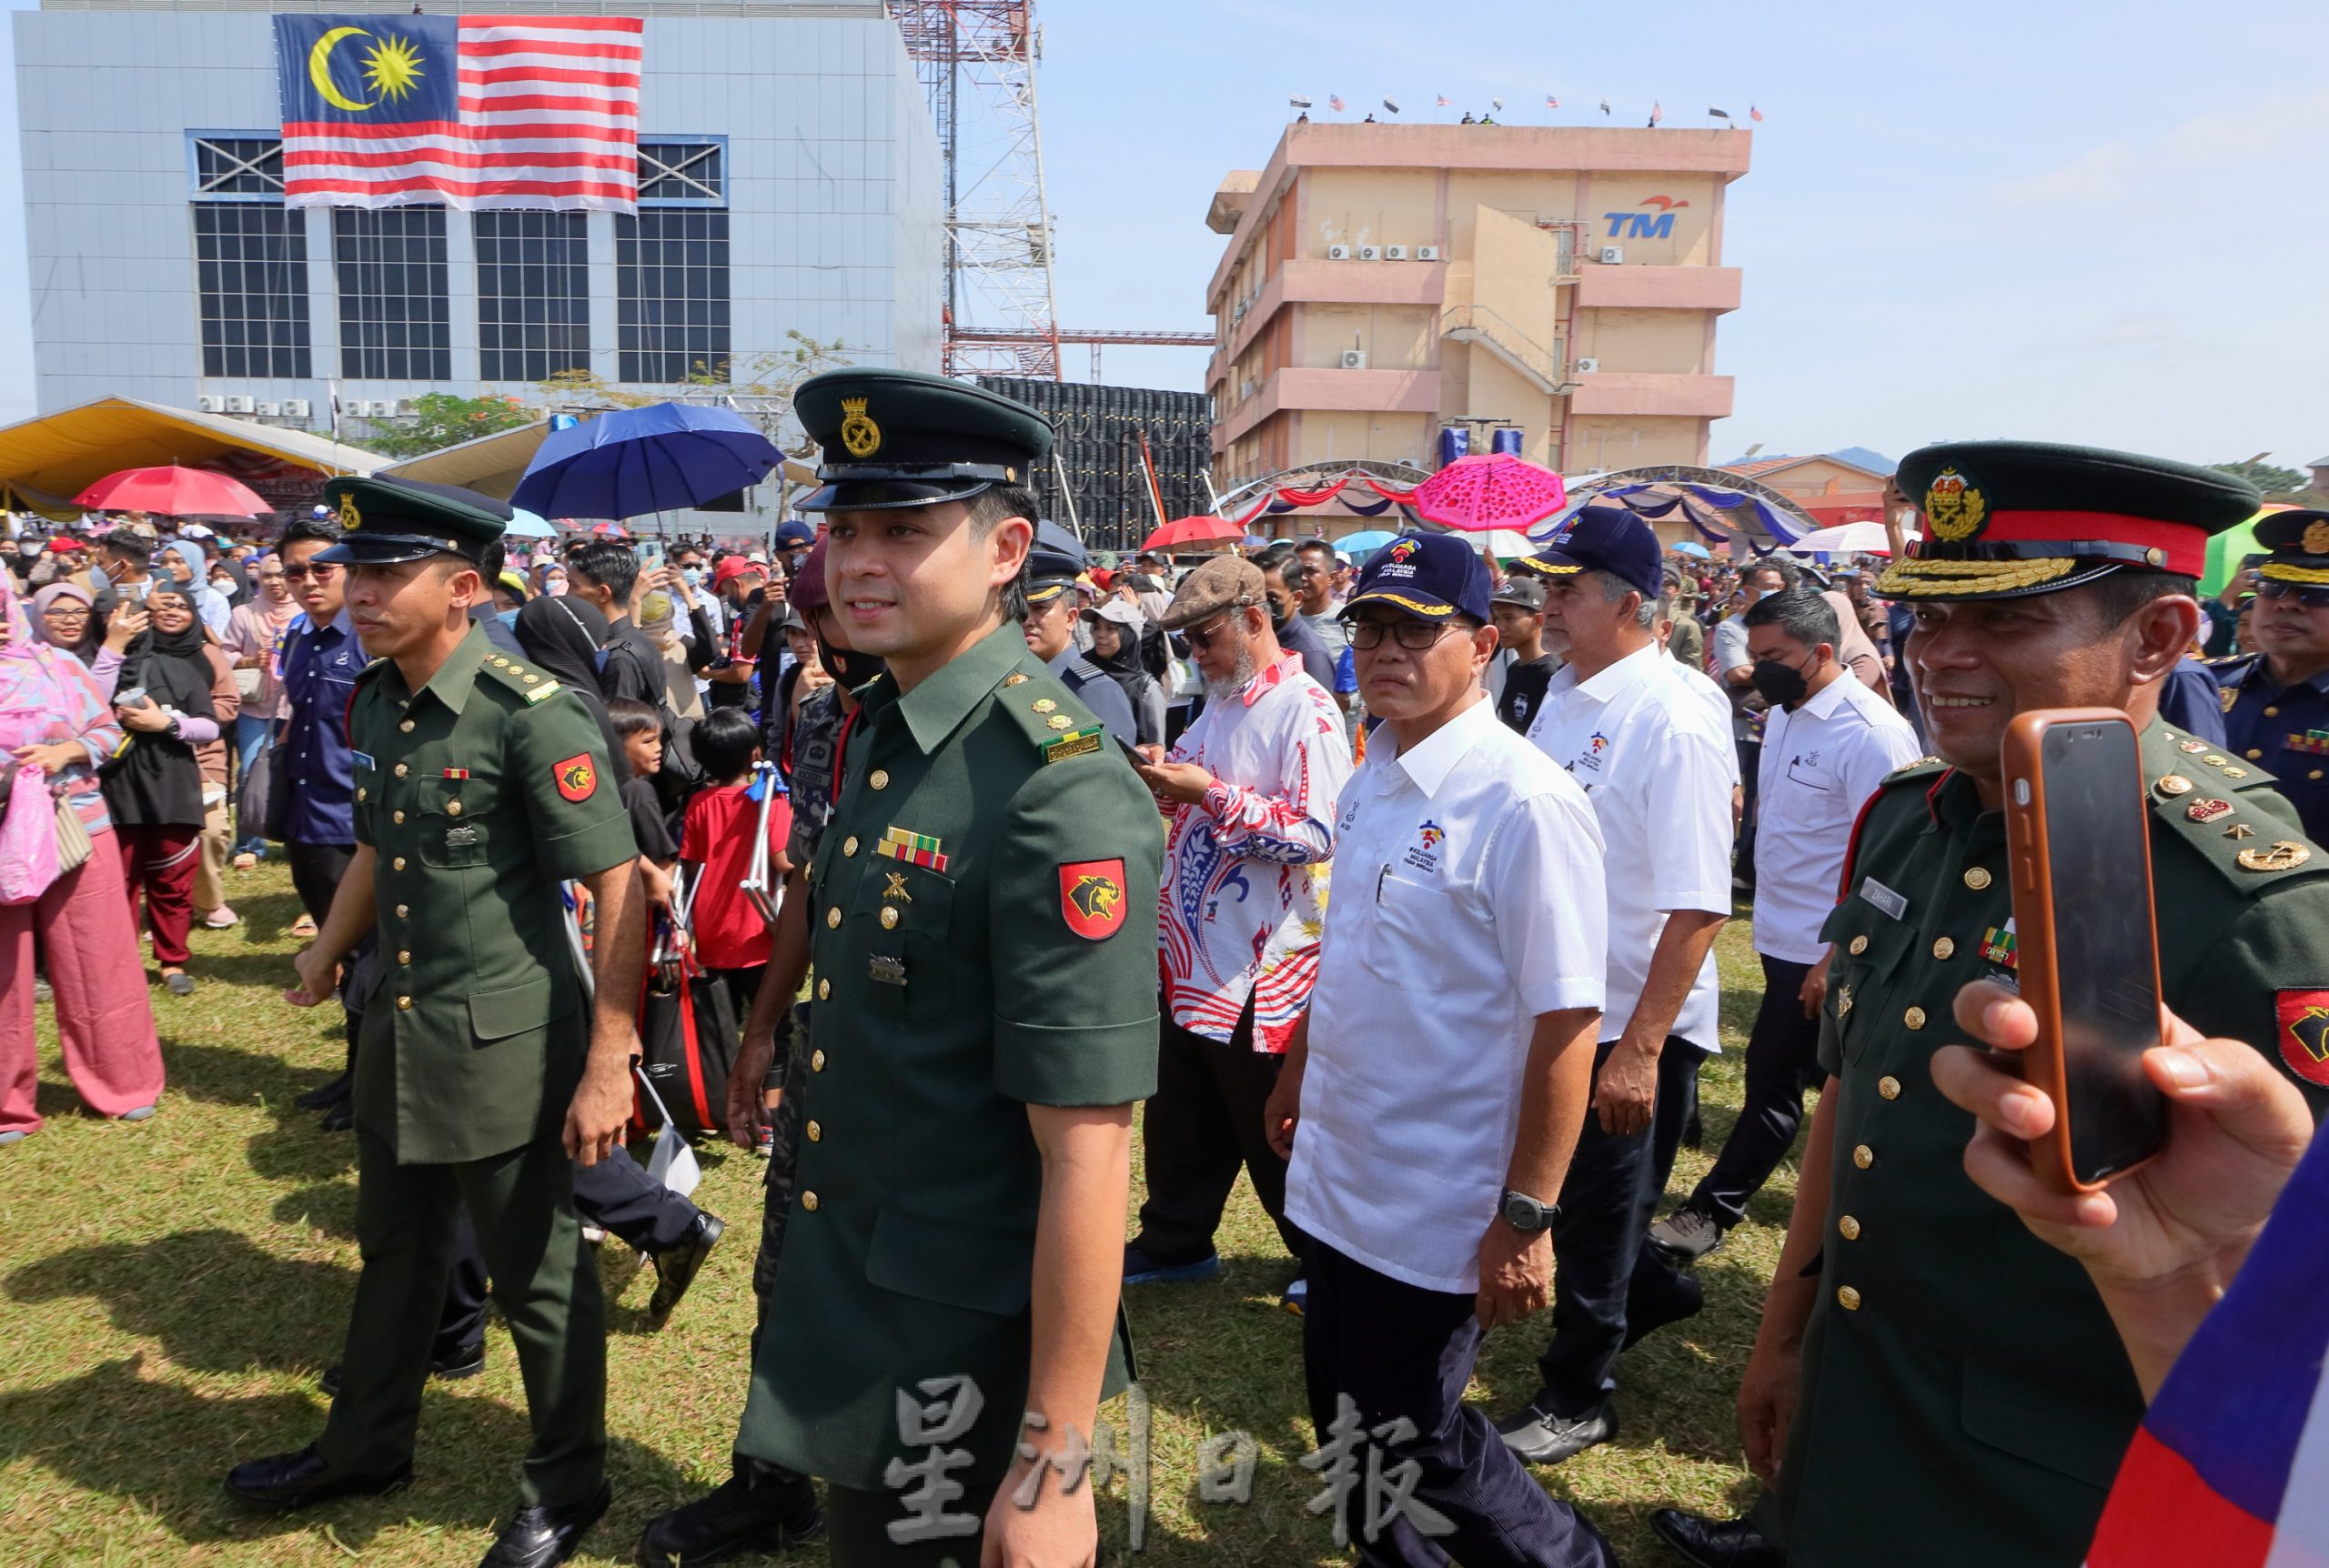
(1415, 635)
(2310, 598)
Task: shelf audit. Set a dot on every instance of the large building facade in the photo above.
(1383, 281)
(789, 181)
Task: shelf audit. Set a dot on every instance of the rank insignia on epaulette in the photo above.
(2285, 855)
(1081, 743)
(1998, 946)
(548, 688)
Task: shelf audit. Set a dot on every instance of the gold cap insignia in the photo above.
(858, 431)
(2316, 537)
(1954, 506)
(349, 517)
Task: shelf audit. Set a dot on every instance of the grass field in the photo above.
(170, 1290)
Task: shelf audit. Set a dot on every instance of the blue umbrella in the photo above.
(1690, 547)
(634, 461)
(525, 525)
(1371, 540)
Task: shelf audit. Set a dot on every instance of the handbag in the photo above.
(74, 846)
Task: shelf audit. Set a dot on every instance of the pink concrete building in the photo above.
(1382, 280)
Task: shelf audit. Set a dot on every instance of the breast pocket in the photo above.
(456, 831)
(901, 926)
(1869, 947)
(1407, 921)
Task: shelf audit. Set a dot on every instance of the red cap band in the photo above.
(2184, 546)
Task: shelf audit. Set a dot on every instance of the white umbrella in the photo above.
(1846, 539)
(526, 525)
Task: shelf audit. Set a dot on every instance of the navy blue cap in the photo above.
(794, 534)
(1055, 560)
(1604, 539)
(1429, 576)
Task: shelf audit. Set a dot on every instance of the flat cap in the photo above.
(1055, 560)
(2299, 543)
(1224, 582)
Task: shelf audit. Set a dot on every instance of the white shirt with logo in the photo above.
(1820, 765)
(1658, 770)
(1467, 902)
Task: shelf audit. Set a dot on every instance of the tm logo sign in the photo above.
(1659, 224)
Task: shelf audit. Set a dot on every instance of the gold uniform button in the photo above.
(2315, 774)
(2271, 713)
(396, 817)
(1977, 876)
(452, 807)
(809, 1201)
(1863, 1156)
(1849, 1227)
(832, 917)
(817, 1061)
(405, 727)
(403, 909)
(1914, 1017)
(361, 793)
(401, 769)
(1846, 1296)
(877, 779)
(1860, 945)
(404, 955)
(398, 862)
(889, 917)
(405, 1003)
(1889, 1087)
(1943, 948)
(849, 845)
(824, 989)
(816, 1133)
(2254, 755)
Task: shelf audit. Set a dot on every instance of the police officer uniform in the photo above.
(1964, 1398)
(1055, 561)
(479, 793)
(2284, 729)
(981, 942)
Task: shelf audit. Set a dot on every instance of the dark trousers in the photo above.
(1398, 1349)
(159, 861)
(1203, 1121)
(1750, 764)
(857, 1526)
(316, 873)
(1782, 1061)
(544, 1281)
(1613, 1184)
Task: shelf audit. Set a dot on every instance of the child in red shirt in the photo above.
(731, 938)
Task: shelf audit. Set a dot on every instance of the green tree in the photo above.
(441, 420)
(2275, 481)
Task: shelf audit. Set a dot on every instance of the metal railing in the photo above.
(1547, 367)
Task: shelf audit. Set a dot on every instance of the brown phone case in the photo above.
(2033, 922)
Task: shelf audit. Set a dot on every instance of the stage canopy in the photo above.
(46, 461)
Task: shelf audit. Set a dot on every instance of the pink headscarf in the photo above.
(46, 695)
(49, 596)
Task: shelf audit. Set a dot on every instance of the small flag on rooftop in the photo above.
(1551, 102)
(1717, 114)
(1496, 104)
(1605, 106)
(1335, 102)
(1657, 112)
(1443, 100)
(1297, 100)
(1390, 105)
(1753, 113)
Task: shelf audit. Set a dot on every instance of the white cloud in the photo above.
(2242, 144)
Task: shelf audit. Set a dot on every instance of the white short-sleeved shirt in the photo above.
(1467, 902)
(1820, 765)
(1717, 701)
(1658, 771)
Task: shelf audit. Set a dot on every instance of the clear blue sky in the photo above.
(2065, 221)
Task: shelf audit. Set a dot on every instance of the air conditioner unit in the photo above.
(1338, 252)
(1354, 359)
(403, 407)
(1427, 253)
(210, 403)
(1395, 253)
(1586, 366)
(240, 405)
(1612, 254)
(270, 410)
(297, 408)
(1370, 253)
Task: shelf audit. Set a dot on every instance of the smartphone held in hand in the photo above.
(2078, 834)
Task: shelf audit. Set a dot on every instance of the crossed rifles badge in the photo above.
(859, 434)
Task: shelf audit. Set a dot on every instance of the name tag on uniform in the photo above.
(1883, 898)
(885, 971)
(460, 838)
(363, 759)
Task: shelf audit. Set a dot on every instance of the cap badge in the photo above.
(1954, 506)
(349, 517)
(2316, 537)
(1402, 550)
(858, 431)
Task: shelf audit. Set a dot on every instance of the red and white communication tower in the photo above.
(977, 59)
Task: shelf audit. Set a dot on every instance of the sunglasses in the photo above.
(1415, 635)
(320, 570)
(1200, 638)
(2310, 598)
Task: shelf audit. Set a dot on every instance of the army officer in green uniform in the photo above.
(1957, 1394)
(981, 918)
(483, 1074)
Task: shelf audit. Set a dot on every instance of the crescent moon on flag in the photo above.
(319, 68)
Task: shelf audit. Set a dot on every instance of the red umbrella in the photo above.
(1490, 490)
(172, 492)
(1198, 529)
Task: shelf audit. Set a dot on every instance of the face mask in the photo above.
(555, 588)
(849, 668)
(508, 618)
(691, 575)
(1781, 685)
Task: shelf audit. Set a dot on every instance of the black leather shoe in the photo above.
(341, 1118)
(759, 1508)
(1660, 1296)
(1715, 1543)
(444, 1368)
(675, 1267)
(544, 1534)
(283, 1481)
(325, 1095)
(1542, 1438)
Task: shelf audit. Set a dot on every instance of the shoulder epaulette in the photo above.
(531, 684)
(371, 669)
(1085, 669)
(1055, 722)
(2218, 804)
(1922, 768)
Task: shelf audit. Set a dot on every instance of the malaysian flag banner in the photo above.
(469, 111)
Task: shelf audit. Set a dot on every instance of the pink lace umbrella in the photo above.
(1490, 490)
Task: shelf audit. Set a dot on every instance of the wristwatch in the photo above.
(1526, 1214)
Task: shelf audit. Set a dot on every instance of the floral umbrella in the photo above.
(1490, 490)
